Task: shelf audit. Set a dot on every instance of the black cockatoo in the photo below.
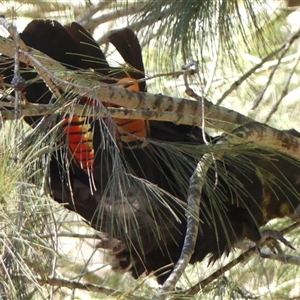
(136, 192)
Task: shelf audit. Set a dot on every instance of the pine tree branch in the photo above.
(71, 284)
(253, 132)
(285, 88)
(287, 259)
(217, 117)
(265, 136)
(203, 283)
(294, 36)
(32, 109)
(193, 208)
(137, 26)
(84, 18)
(161, 107)
(91, 24)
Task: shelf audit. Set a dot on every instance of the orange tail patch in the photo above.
(80, 140)
(130, 130)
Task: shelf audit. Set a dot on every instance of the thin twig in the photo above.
(203, 283)
(84, 18)
(137, 26)
(259, 97)
(285, 88)
(71, 284)
(18, 84)
(90, 25)
(238, 82)
(285, 258)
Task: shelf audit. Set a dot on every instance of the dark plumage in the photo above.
(140, 193)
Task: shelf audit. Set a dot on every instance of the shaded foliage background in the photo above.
(50, 259)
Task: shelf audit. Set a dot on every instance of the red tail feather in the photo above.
(80, 140)
(130, 130)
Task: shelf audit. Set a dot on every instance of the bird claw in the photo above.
(271, 238)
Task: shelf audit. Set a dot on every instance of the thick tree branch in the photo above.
(218, 117)
(265, 136)
(177, 110)
(32, 109)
